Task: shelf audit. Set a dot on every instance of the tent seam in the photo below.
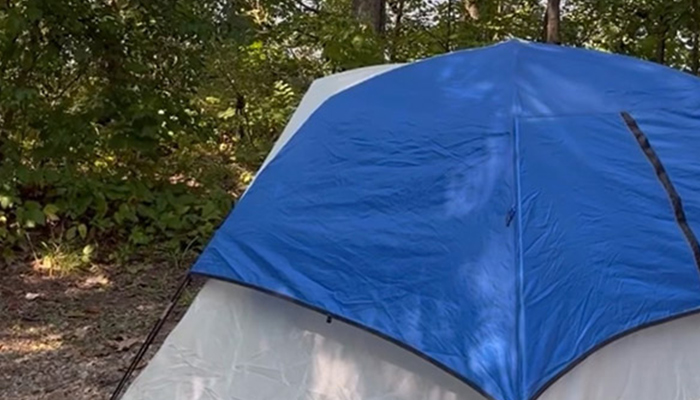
(520, 317)
(679, 214)
(571, 365)
(358, 325)
(519, 244)
(663, 177)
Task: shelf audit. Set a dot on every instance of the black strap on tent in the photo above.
(151, 336)
(661, 173)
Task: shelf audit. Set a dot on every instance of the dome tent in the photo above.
(508, 223)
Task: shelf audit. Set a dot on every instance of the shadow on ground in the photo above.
(72, 337)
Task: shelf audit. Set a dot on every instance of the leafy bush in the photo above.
(109, 210)
(134, 124)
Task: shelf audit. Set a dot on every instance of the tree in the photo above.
(139, 121)
(694, 32)
(552, 20)
(371, 12)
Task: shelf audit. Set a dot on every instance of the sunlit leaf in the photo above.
(82, 231)
(51, 211)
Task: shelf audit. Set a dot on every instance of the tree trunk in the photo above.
(544, 25)
(661, 45)
(398, 12)
(552, 22)
(694, 52)
(472, 8)
(371, 12)
(694, 56)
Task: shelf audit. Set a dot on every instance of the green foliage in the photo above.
(109, 210)
(134, 124)
(100, 137)
(58, 258)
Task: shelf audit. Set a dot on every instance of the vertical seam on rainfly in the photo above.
(519, 244)
(520, 340)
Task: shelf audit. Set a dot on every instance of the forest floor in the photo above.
(72, 336)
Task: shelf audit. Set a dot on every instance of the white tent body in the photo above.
(235, 343)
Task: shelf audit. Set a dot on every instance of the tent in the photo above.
(514, 222)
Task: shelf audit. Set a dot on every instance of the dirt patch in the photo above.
(72, 337)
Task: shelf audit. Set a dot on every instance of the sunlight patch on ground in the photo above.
(29, 341)
(94, 282)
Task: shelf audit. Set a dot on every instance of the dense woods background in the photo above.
(133, 124)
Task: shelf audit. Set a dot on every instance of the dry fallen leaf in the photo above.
(94, 282)
(31, 296)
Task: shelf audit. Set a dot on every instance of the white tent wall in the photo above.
(319, 91)
(655, 363)
(237, 343)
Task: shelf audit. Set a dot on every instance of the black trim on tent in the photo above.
(661, 173)
(677, 205)
(151, 336)
(573, 364)
(676, 202)
(325, 313)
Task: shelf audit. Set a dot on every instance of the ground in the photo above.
(72, 336)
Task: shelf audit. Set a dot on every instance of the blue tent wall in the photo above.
(488, 209)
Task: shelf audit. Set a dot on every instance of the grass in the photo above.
(62, 259)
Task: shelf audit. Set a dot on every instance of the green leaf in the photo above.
(100, 205)
(226, 114)
(34, 217)
(31, 214)
(5, 201)
(82, 230)
(88, 251)
(51, 212)
(81, 204)
(139, 237)
(32, 204)
(71, 233)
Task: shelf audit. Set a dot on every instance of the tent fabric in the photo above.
(237, 343)
(320, 90)
(660, 362)
(488, 209)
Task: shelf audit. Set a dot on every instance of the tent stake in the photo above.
(151, 336)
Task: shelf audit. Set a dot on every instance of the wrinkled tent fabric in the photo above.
(237, 343)
(273, 349)
(489, 211)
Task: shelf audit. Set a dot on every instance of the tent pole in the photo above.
(151, 336)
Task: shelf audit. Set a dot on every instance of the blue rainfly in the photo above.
(502, 212)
